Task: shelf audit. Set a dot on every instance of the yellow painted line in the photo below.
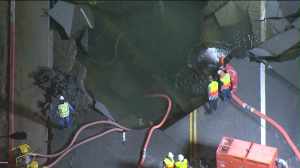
(193, 133)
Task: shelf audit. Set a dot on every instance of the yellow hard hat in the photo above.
(24, 148)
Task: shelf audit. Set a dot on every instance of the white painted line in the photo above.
(263, 138)
(263, 102)
(86, 18)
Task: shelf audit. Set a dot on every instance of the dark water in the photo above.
(144, 47)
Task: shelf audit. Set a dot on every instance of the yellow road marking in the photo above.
(193, 134)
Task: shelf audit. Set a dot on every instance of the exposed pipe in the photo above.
(76, 136)
(276, 125)
(154, 127)
(11, 87)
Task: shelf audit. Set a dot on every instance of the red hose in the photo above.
(271, 122)
(81, 143)
(154, 127)
(76, 136)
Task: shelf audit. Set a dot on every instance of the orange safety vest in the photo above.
(226, 81)
(213, 89)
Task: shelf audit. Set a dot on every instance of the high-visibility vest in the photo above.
(226, 81)
(169, 163)
(213, 88)
(33, 164)
(183, 164)
(63, 110)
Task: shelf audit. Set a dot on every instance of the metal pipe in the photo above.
(12, 65)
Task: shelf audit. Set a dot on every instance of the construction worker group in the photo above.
(169, 161)
(224, 80)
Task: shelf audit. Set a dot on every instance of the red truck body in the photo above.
(234, 153)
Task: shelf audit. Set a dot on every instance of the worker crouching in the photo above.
(226, 85)
(213, 93)
(23, 157)
(169, 161)
(63, 110)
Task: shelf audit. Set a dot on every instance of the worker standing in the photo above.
(169, 161)
(226, 84)
(63, 110)
(213, 93)
(182, 162)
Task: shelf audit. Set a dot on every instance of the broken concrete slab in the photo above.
(260, 52)
(228, 15)
(84, 41)
(296, 23)
(282, 42)
(275, 25)
(99, 106)
(289, 7)
(211, 30)
(72, 18)
(284, 75)
(65, 52)
(213, 6)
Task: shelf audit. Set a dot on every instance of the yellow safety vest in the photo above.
(33, 164)
(169, 163)
(226, 81)
(63, 110)
(183, 164)
(213, 88)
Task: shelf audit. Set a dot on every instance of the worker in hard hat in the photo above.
(169, 161)
(22, 156)
(226, 84)
(63, 110)
(213, 93)
(182, 162)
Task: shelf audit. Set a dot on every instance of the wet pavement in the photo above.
(226, 121)
(109, 151)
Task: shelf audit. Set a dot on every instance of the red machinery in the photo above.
(234, 153)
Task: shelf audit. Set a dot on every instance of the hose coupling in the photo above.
(144, 153)
(248, 108)
(123, 136)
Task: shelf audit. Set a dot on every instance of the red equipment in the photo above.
(233, 153)
(233, 76)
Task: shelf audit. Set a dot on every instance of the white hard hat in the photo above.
(61, 98)
(180, 157)
(220, 71)
(170, 155)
